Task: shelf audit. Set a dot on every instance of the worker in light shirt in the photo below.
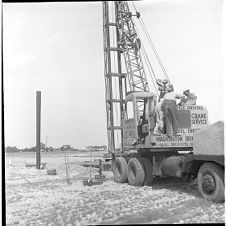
(158, 130)
(169, 108)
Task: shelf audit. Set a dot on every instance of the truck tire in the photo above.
(136, 174)
(148, 169)
(120, 170)
(211, 182)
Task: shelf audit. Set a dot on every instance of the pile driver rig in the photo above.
(137, 154)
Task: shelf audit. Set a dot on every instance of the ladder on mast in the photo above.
(120, 28)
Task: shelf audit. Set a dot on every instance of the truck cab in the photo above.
(198, 151)
(139, 123)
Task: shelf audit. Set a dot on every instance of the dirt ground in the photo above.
(43, 199)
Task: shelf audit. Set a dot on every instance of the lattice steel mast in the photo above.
(120, 28)
(131, 48)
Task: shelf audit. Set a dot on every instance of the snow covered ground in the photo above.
(43, 199)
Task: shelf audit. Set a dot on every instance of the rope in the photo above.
(146, 58)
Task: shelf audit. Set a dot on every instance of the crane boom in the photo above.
(131, 47)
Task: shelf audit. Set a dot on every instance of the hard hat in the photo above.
(185, 90)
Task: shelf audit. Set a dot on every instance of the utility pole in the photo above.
(38, 128)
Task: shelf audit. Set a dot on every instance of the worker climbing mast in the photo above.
(131, 44)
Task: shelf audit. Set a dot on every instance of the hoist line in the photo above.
(147, 61)
(151, 43)
(154, 49)
(149, 66)
(146, 58)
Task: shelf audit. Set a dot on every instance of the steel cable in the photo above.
(152, 44)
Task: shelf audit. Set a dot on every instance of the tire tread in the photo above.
(218, 173)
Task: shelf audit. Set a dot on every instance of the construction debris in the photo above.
(90, 182)
(51, 172)
(42, 165)
(98, 179)
(106, 166)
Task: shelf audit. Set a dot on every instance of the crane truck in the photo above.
(139, 155)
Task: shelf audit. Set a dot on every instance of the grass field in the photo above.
(35, 198)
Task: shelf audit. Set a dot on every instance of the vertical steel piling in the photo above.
(38, 128)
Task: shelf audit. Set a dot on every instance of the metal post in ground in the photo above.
(66, 166)
(90, 167)
(38, 128)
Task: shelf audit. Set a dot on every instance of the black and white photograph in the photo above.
(113, 112)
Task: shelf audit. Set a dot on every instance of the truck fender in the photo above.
(193, 163)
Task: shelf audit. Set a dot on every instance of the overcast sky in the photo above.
(57, 48)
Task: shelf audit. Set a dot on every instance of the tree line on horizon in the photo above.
(44, 148)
